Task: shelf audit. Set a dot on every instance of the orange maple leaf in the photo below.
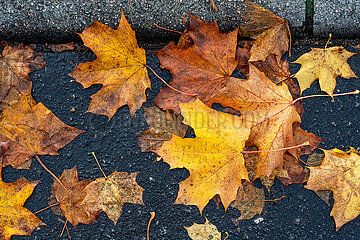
(71, 196)
(16, 62)
(339, 172)
(14, 218)
(269, 110)
(30, 128)
(120, 67)
(213, 158)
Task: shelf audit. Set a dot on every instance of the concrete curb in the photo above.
(339, 17)
(55, 21)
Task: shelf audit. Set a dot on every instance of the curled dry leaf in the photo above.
(201, 68)
(14, 218)
(325, 65)
(111, 193)
(16, 62)
(271, 33)
(204, 231)
(162, 124)
(120, 67)
(339, 172)
(213, 158)
(30, 128)
(70, 198)
(250, 201)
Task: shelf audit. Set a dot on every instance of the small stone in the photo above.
(72, 110)
(258, 220)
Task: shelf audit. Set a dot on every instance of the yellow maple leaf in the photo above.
(326, 65)
(213, 158)
(204, 231)
(111, 193)
(339, 172)
(119, 67)
(14, 218)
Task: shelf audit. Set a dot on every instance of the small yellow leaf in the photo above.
(204, 231)
(325, 65)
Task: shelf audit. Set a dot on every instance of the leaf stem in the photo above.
(334, 95)
(280, 149)
(273, 200)
(98, 164)
(176, 90)
(167, 29)
(152, 216)
(55, 204)
(330, 35)
(53, 175)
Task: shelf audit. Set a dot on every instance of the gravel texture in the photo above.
(59, 21)
(300, 215)
(341, 18)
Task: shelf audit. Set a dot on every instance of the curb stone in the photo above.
(341, 18)
(56, 21)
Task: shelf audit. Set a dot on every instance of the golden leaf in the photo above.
(119, 67)
(213, 158)
(339, 172)
(325, 65)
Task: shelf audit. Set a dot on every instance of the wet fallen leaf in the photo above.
(14, 218)
(213, 158)
(314, 160)
(111, 193)
(271, 33)
(339, 172)
(70, 198)
(201, 68)
(119, 67)
(162, 124)
(30, 128)
(250, 201)
(204, 231)
(325, 65)
(267, 108)
(16, 62)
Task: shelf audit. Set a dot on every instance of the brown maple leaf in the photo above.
(213, 158)
(325, 65)
(201, 68)
(120, 67)
(16, 62)
(162, 124)
(111, 193)
(30, 128)
(14, 218)
(70, 198)
(339, 172)
(250, 201)
(271, 33)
